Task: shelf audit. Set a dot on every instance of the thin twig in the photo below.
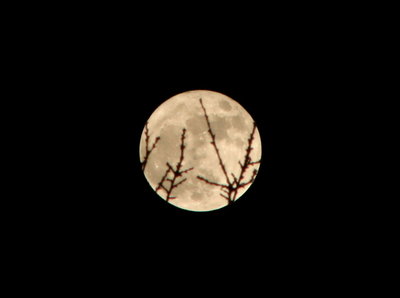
(225, 197)
(214, 143)
(180, 182)
(147, 149)
(176, 172)
(231, 188)
(210, 182)
(160, 185)
(251, 179)
(187, 170)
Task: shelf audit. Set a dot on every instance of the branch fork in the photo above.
(148, 149)
(169, 181)
(233, 184)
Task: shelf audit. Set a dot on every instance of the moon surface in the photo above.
(176, 149)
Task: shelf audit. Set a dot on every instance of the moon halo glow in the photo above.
(200, 150)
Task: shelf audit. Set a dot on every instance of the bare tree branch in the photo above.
(225, 197)
(147, 149)
(170, 167)
(235, 180)
(225, 190)
(187, 170)
(210, 182)
(183, 180)
(232, 187)
(213, 142)
(176, 172)
(160, 184)
(251, 179)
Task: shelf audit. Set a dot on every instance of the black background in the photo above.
(290, 217)
(284, 90)
(104, 76)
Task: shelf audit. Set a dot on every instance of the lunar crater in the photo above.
(225, 105)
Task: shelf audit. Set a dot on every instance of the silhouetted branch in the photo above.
(251, 179)
(160, 185)
(225, 190)
(213, 142)
(147, 149)
(210, 182)
(232, 187)
(187, 170)
(176, 172)
(234, 178)
(176, 185)
(224, 196)
(170, 167)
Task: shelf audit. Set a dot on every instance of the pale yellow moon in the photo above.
(200, 150)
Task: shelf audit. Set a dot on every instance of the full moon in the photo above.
(200, 150)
